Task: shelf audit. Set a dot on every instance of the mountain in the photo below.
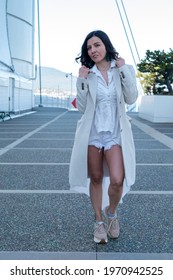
(52, 78)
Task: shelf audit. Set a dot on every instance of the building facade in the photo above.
(17, 70)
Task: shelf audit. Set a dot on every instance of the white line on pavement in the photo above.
(18, 141)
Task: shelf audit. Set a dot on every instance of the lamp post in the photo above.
(39, 54)
(67, 75)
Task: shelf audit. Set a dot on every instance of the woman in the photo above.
(103, 145)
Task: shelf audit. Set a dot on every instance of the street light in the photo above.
(67, 75)
(39, 54)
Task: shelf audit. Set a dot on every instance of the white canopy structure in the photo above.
(16, 54)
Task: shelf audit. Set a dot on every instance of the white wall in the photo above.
(156, 108)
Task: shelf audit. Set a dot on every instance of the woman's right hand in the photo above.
(83, 71)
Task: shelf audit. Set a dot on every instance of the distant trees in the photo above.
(156, 72)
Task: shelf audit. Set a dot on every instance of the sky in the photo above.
(64, 24)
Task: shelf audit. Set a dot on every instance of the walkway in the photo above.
(42, 219)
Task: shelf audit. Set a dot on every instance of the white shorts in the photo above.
(104, 140)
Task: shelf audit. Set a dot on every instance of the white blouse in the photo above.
(106, 115)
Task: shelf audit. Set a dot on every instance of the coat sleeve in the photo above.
(128, 81)
(82, 92)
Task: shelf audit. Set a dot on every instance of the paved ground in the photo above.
(42, 219)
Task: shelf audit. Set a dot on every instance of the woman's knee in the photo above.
(116, 182)
(96, 178)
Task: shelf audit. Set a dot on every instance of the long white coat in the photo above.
(125, 82)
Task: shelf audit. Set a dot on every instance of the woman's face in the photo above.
(96, 49)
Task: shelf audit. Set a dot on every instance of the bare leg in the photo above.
(116, 170)
(95, 169)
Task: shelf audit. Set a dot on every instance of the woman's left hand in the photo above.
(120, 62)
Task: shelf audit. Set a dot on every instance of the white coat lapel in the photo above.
(92, 80)
(117, 82)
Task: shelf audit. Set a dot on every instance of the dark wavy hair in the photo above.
(110, 50)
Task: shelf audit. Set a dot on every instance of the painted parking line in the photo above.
(20, 140)
(34, 255)
(154, 133)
